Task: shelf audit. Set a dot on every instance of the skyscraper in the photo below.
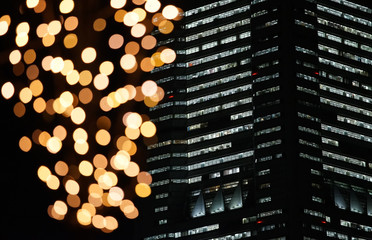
(266, 129)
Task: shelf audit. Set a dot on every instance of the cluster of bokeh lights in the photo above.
(99, 175)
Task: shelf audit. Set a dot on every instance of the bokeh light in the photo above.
(90, 126)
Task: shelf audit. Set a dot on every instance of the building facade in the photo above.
(265, 130)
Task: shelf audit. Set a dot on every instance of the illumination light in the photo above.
(66, 96)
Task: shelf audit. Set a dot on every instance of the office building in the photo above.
(265, 131)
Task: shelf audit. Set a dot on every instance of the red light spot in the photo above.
(171, 96)
(259, 221)
(254, 74)
(324, 222)
(316, 73)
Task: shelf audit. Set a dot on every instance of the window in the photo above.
(214, 175)
(241, 115)
(346, 133)
(266, 51)
(161, 209)
(231, 171)
(270, 213)
(308, 130)
(330, 141)
(307, 143)
(343, 66)
(305, 50)
(216, 56)
(217, 16)
(347, 173)
(209, 149)
(267, 90)
(220, 81)
(345, 106)
(304, 24)
(217, 30)
(354, 5)
(265, 185)
(307, 90)
(267, 130)
(219, 94)
(265, 78)
(197, 126)
(208, 7)
(314, 213)
(263, 172)
(344, 15)
(354, 122)
(355, 225)
(344, 28)
(267, 117)
(209, 71)
(269, 144)
(344, 158)
(219, 108)
(220, 160)
(264, 200)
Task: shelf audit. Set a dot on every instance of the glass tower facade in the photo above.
(265, 130)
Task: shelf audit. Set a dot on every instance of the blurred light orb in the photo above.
(148, 42)
(138, 30)
(131, 19)
(32, 3)
(168, 55)
(61, 168)
(60, 207)
(152, 5)
(66, 6)
(143, 190)
(103, 137)
(133, 120)
(3, 27)
(100, 81)
(23, 27)
(25, 144)
(54, 145)
(88, 55)
(106, 67)
(72, 187)
(84, 217)
(80, 135)
(166, 27)
(170, 12)
(148, 129)
(54, 27)
(111, 223)
(117, 3)
(99, 24)
(149, 88)
(144, 177)
(132, 170)
(99, 221)
(25, 95)
(116, 41)
(78, 115)
(116, 193)
(52, 182)
(85, 168)
(57, 64)
(7, 90)
(71, 23)
(127, 61)
(15, 57)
